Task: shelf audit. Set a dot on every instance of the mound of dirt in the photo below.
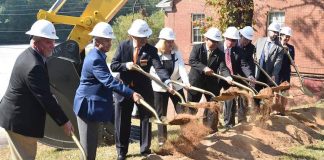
(266, 139)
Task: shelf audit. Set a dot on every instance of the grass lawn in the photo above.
(310, 152)
(103, 152)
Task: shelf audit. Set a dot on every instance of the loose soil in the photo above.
(261, 139)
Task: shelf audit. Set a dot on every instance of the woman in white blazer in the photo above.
(172, 61)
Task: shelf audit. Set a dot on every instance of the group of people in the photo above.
(28, 97)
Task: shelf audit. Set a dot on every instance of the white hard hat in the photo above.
(167, 34)
(274, 26)
(214, 34)
(43, 28)
(102, 29)
(247, 32)
(286, 31)
(140, 28)
(232, 33)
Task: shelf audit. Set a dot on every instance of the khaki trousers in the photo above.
(21, 147)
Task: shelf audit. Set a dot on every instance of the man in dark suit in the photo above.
(93, 102)
(245, 43)
(237, 65)
(136, 51)
(206, 59)
(269, 55)
(28, 98)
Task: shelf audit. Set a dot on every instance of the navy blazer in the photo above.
(198, 61)
(28, 98)
(93, 99)
(148, 57)
(284, 74)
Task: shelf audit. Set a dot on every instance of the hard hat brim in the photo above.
(41, 35)
(136, 34)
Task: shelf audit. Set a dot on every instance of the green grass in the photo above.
(103, 152)
(309, 152)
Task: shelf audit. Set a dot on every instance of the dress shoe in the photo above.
(121, 157)
(146, 153)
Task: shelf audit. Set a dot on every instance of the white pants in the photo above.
(21, 147)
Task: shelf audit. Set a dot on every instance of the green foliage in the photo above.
(229, 13)
(123, 23)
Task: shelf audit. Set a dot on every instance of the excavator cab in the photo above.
(64, 67)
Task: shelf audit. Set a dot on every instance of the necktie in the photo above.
(266, 50)
(208, 54)
(135, 54)
(228, 60)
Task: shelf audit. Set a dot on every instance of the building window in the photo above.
(276, 16)
(196, 35)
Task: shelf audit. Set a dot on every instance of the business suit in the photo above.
(148, 57)
(240, 67)
(198, 61)
(248, 54)
(271, 63)
(28, 98)
(93, 102)
(285, 71)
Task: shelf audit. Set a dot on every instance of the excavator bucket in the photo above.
(64, 80)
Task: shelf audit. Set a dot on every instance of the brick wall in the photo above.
(304, 17)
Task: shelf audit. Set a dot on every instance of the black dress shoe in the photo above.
(121, 157)
(146, 153)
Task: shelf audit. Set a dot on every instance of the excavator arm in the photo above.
(65, 65)
(96, 11)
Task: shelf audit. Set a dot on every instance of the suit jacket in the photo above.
(198, 61)
(148, 57)
(274, 60)
(179, 73)
(239, 62)
(285, 71)
(93, 99)
(28, 98)
(248, 54)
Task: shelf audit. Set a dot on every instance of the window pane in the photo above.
(196, 35)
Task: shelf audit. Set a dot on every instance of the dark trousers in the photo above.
(209, 115)
(161, 106)
(88, 132)
(242, 109)
(230, 111)
(123, 114)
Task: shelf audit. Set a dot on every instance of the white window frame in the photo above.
(196, 35)
(276, 16)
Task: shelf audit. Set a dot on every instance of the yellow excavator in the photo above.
(65, 65)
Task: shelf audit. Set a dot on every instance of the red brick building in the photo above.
(305, 17)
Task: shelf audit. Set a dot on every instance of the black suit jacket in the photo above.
(239, 62)
(198, 61)
(28, 98)
(134, 79)
(248, 52)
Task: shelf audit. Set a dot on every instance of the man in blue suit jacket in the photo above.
(93, 102)
(140, 52)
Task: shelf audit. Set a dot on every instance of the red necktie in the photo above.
(228, 60)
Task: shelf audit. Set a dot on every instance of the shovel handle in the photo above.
(247, 79)
(234, 83)
(76, 141)
(306, 91)
(147, 106)
(194, 88)
(265, 73)
(158, 81)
